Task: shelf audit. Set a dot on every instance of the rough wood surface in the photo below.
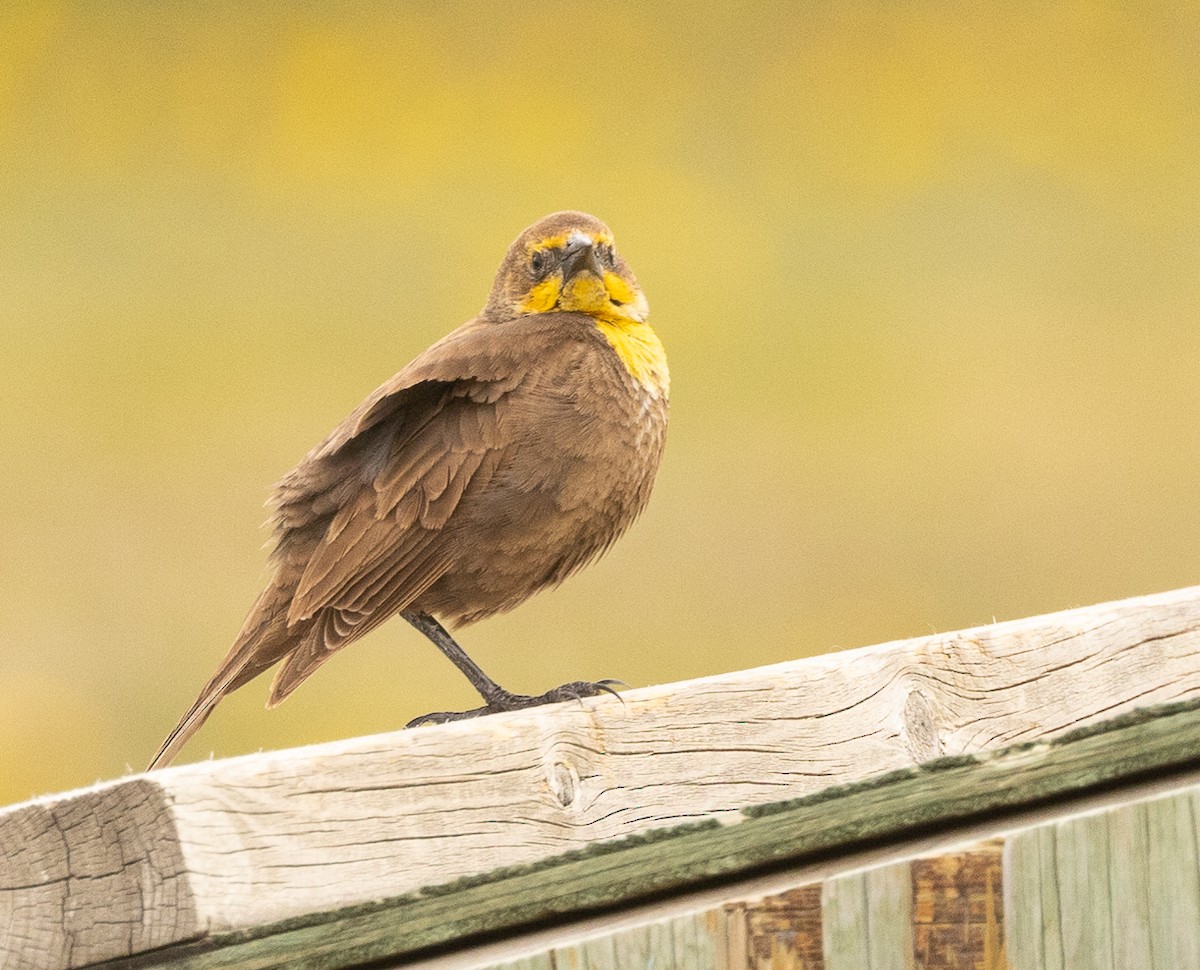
(784, 931)
(223, 847)
(743, 894)
(958, 918)
(937, 795)
(1110, 889)
(1107, 891)
(1115, 888)
(867, 919)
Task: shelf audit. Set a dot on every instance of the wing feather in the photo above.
(338, 626)
(358, 521)
(414, 493)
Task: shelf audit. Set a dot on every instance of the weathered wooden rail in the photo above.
(735, 822)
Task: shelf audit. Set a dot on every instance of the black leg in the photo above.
(488, 688)
(495, 697)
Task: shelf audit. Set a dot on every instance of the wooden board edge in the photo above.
(1166, 738)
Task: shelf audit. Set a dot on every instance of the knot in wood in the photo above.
(920, 728)
(564, 782)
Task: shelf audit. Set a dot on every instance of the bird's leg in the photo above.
(488, 688)
(495, 697)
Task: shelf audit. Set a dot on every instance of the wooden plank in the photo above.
(917, 798)
(251, 844)
(1173, 868)
(867, 920)
(1129, 886)
(1082, 881)
(699, 941)
(784, 930)
(843, 918)
(76, 875)
(597, 954)
(689, 941)
(1034, 930)
(889, 917)
(1106, 891)
(718, 898)
(958, 915)
(647, 946)
(736, 950)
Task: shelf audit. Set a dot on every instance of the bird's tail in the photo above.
(263, 642)
(220, 685)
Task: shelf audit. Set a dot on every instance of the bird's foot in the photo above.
(502, 700)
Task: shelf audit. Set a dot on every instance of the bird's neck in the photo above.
(637, 347)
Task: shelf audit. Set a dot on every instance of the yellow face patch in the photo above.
(614, 303)
(586, 293)
(619, 290)
(544, 296)
(612, 298)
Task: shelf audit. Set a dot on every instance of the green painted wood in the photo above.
(623, 871)
(695, 939)
(1129, 887)
(889, 917)
(650, 947)
(1107, 891)
(843, 918)
(866, 920)
(599, 954)
(1023, 906)
(1081, 868)
(1174, 882)
(661, 947)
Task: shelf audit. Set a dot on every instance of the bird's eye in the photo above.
(538, 263)
(607, 256)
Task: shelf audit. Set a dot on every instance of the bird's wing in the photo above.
(380, 490)
(357, 519)
(379, 535)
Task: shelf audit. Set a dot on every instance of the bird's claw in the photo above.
(504, 701)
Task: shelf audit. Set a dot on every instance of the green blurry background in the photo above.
(928, 275)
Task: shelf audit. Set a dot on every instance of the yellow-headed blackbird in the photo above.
(509, 454)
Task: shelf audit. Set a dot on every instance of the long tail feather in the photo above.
(264, 641)
(191, 721)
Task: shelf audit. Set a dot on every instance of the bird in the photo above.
(502, 459)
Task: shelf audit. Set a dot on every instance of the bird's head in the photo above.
(567, 261)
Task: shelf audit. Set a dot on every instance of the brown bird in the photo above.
(509, 454)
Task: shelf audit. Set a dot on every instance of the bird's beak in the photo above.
(578, 256)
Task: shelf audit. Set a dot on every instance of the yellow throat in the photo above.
(640, 350)
(619, 312)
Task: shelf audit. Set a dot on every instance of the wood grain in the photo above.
(1112, 888)
(958, 918)
(222, 847)
(784, 931)
(867, 919)
(1107, 891)
(1128, 846)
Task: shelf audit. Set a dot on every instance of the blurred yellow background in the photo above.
(928, 276)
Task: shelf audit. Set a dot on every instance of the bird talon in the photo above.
(608, 690)
(502, 701)
(445, 717)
